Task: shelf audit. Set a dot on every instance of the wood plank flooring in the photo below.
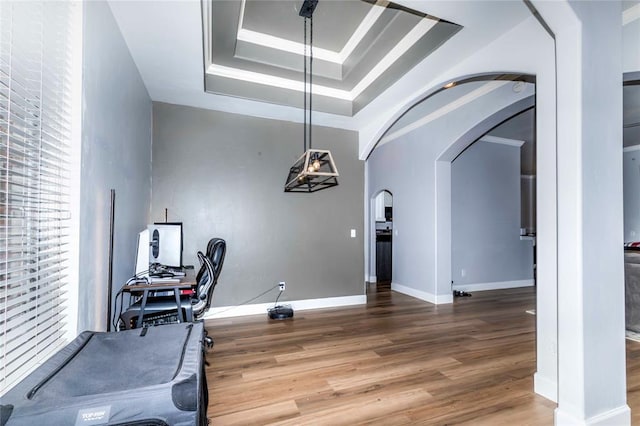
(395, 361)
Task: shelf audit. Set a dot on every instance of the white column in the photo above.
(546, 376)
(591, 350)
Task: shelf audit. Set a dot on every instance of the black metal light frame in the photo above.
(315, 169)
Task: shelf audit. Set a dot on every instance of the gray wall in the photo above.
(485, 217)
(223, 175)
(631, 159)
(116, 153)
(631, 185)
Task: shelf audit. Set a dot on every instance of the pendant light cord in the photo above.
(305, 84)
(307, 130)
(310, 82)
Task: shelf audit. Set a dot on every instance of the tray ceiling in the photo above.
(254, 49)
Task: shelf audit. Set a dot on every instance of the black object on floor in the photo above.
(116, 378)
(458, 293)
(280, 312)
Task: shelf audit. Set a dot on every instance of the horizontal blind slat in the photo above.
(15, 375)
(28, 323)
(40, 339)
(17, 297)
(23, 319)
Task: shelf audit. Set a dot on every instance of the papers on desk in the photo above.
(176, 272)
(164, 280)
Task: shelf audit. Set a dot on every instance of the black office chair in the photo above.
(163, 309)
(216, 251)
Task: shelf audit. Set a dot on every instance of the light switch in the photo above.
(353, 233)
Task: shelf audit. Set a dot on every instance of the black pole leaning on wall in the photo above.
(110, 279)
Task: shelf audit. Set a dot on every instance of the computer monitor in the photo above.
(142, 255)
(165, 244)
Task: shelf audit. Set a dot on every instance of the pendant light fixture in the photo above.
(315, 169)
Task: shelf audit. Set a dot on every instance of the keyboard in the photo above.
(164, 280)
(176, 272)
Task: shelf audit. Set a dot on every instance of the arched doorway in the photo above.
(382, 221)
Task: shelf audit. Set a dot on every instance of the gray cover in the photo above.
(152, 377)
(632, 290)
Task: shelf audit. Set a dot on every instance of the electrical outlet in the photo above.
(281, 285)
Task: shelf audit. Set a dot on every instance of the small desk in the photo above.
(186, 283)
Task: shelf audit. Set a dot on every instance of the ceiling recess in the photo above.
(253, 50)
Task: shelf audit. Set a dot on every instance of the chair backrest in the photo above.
(202, 272)
(207, 277)
(216, 250)
(204, 287)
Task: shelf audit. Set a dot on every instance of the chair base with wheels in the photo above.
(207, 339)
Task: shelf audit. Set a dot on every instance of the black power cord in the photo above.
(251, 300)
(279, 294)
(136, 278)
(116, 315)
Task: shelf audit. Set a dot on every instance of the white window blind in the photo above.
(35, 137)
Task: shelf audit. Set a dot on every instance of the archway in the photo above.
(381, 237)
(443, 186)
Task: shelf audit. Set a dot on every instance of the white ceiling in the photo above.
(166, 42)
(255, 49)
(165, 39)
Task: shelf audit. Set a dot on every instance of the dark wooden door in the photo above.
(383, 257)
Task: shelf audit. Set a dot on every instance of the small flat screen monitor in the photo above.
(165, 244)
(142, 256)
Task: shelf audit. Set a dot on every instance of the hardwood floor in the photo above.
(395, 361)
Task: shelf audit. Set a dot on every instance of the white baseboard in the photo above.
(422, 295)
(238, 311)
(442, 299)
(620, 416)
(545, 387)
(329, 302)
(299, 305)
(373, 279)
(499, 285)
